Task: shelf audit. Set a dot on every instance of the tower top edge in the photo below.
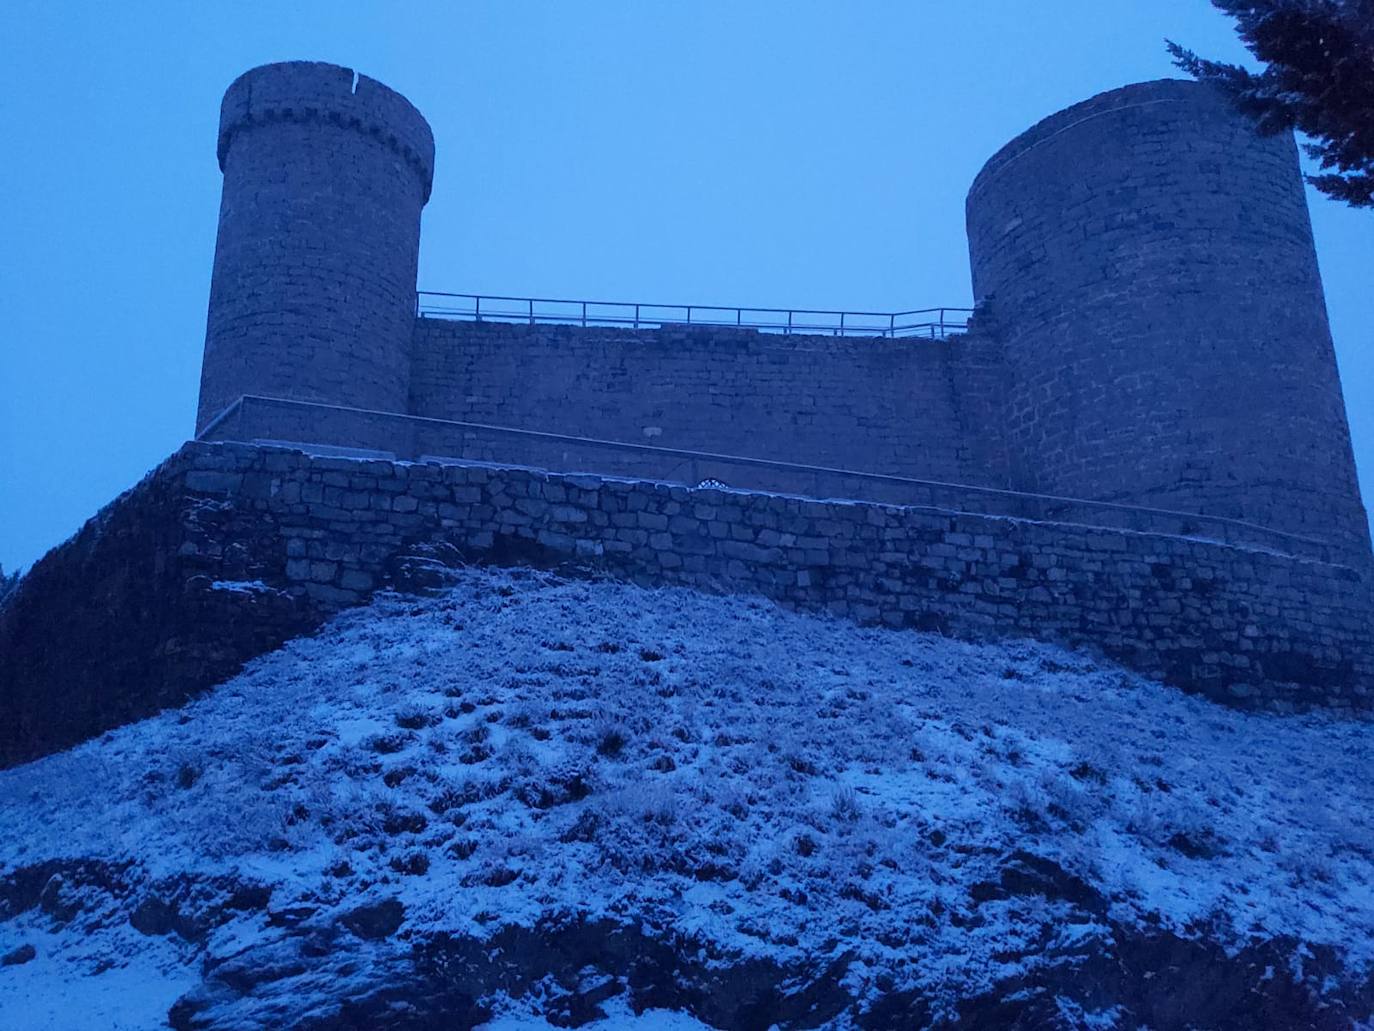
(318, 92)
(1123, 98)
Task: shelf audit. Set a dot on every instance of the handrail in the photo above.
(224, 413)
(940, 322)
(1324, 549)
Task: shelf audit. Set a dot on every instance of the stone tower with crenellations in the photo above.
(313, 291)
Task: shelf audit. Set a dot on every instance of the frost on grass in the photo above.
(775, 784)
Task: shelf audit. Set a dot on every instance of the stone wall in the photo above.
(114, 624)
(906, 407)
(227, 550)
(330, 431)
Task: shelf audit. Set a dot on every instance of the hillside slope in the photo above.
(532, 801)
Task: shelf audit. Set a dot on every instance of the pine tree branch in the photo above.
(1318, 77)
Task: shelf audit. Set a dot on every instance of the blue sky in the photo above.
(772, 154)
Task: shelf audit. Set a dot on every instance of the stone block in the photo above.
(567, 514)
(330, 596)
(323, 572)
(207, 482)
(356, 580)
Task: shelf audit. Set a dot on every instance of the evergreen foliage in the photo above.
(1318, 78)
(8, 581)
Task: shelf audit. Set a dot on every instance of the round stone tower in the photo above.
(313, 291)
(1147, 261)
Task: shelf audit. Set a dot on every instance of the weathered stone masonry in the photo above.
(1247, 627)
(1148, 261)
(899, 407)
(1152, 329)
(313, 291)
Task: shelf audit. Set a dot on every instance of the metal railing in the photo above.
(930, 323)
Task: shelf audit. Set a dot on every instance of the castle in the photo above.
(1136, 444)
(1151, 329)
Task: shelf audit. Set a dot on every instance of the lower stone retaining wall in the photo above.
(329, 430)
(227, 549)
(112, 625)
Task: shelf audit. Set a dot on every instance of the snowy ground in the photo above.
(776, 784)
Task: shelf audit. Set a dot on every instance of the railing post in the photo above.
(841, 332)
(689, 314)
(892, 325)
(477, 309)
(584, 314)
(531, 300)
(738, 315)
(789, 324)
(636, 316)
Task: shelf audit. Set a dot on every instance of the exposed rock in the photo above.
(1141, 979)
(376, 921)
(18, 956)
(426, 568)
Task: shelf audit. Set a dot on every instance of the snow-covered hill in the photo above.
(531, 800)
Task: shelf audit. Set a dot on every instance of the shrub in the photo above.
(610, 737)
(386, 744)
(411, 863)
(416, 719)
(844, 804)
